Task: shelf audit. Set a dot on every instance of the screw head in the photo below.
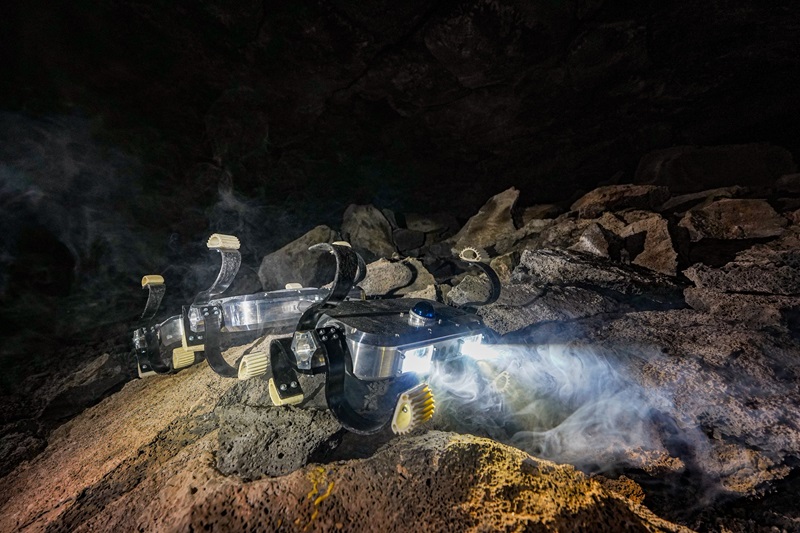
(283, 386)
(293, 384)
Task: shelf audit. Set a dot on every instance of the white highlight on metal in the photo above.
(418, 360)
(474, 348)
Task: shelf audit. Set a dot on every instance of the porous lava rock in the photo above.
(384, 276)
(777, 273)
(144, 459)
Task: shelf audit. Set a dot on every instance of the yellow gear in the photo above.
(414, 407)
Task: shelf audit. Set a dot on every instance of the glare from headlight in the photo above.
(474, 348)
(418, 360)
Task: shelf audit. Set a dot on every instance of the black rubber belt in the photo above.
(280, 359)
(212, 318)
(152, 354)
(349, 268)
(335, 353)
(493, 280)
(154, 296)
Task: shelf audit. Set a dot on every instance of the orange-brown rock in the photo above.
(144, 460)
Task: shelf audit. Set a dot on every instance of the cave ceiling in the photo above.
(424, 104)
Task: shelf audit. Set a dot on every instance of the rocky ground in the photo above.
(649, 355)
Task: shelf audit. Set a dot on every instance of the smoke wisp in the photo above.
(565, 403)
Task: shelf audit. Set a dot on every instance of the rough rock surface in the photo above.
(657, 253)
(492, 220)
(563, 267)
(256, 439)
(143, 459)
(779, 274)
(368, 231)
(560, 285)
(384, 276)
(618, 197)
(756, 310)
(679, 204)
(48, 398)
(733, 219)
(295, 264)
(421, 278)
(471, 289)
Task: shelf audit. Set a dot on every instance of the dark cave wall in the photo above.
(431, 105)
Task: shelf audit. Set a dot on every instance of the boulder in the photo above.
(384, 276)
(427, 293)
(257, 439)
(434, 225)
(492, 221)
(679, 204)
(540, 211)
(552, 285)
(421, 279)
(521, 237)
(469, 290)
(564, 267)
(685, 169)
(778, 273)
(754, 310)
(368, 231)
(295, 264)
(503, 265)
(733, 219)
(563, 232)
(408, 241)
(597, 241)
(523, 305)
(618, 197)
(788, 183)
(657, 251)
